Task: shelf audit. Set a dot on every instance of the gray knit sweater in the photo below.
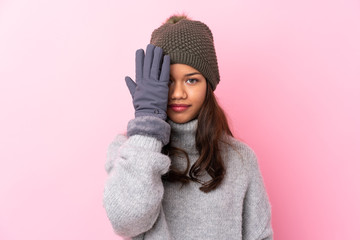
(140, 205)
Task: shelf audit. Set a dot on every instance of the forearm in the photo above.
(134, 190)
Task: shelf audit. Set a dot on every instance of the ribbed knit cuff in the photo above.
(148, 143)
(150, 126)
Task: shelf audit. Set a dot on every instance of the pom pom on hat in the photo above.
(175, 18)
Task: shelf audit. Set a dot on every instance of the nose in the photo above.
(177, 91)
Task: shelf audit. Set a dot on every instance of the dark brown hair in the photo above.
(212, 127)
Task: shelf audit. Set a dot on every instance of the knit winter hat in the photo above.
(189, 42)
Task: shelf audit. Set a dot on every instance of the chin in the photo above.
(181, 120)
(178, 121)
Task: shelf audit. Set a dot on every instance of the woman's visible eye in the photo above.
(192, 80)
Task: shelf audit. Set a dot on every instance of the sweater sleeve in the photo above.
(133, 190)
(256, 208)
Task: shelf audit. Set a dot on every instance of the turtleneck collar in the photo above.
(183, 135)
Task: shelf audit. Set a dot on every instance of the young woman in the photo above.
(178, 172)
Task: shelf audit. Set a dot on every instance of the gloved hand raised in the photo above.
(150, 92)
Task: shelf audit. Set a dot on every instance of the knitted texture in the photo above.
(189, 42)
(142, 206)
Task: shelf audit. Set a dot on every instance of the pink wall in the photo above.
(290, 75)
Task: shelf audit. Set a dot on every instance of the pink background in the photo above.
(290, 74)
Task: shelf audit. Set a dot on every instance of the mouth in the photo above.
(179, 107)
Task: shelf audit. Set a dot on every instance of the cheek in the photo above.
(200, 97)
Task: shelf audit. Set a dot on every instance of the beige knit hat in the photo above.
(189, 42)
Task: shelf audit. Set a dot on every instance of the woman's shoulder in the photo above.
(121, 137)
(239, 151)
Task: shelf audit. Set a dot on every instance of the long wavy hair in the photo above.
(212, 125)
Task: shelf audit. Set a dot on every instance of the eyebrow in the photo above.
(190, 74)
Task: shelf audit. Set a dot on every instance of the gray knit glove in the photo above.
(150, 92)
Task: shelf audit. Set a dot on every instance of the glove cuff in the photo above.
(150, 126)
(156, 113)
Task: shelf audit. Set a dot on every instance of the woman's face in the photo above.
(187, 88)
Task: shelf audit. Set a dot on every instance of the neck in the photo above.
(183, 135)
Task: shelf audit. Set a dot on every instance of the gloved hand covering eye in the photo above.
(150, 92)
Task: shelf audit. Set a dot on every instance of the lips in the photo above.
(179, 107)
